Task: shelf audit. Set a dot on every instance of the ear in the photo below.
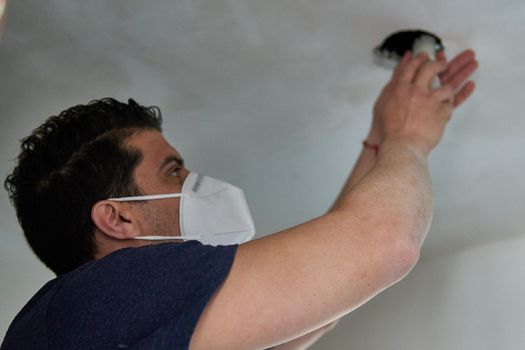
(114, 220)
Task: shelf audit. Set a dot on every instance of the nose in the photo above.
(184, 175)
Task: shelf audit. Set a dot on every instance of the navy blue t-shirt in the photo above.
(134, 298)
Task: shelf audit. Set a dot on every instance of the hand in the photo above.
(408, 108)
(457, 71)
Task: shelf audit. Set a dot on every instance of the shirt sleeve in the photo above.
(142, 298)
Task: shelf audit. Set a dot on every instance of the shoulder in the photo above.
(150, 260)
(158, 271)
(152, 295)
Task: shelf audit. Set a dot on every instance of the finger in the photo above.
(408, 73)
(441, 56)
(427, 72)
(445, 93)
(404, 60)
(464, 93)
(462, 74)
(457, 63)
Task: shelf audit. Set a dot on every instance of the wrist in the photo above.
(373, 141)
(371, 146)
(409, 144)
(374, 137)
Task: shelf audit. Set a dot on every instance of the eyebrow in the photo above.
(170, 159)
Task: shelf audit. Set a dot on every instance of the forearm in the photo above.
(364, 164)
(397, 189)
(385, 217)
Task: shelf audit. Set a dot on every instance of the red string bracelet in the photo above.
(375, 147)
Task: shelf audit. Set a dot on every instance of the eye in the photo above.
(175, 172)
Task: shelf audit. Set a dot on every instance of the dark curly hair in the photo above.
(68, 164)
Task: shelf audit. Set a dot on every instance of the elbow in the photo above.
(408, 256)
(402, 244)
(400, 256)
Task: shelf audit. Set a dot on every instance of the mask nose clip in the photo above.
(197, 183)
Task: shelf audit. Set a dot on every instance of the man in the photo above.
(107, 204)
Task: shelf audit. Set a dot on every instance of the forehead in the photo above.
(154, 147)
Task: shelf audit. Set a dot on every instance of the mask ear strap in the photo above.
(186, 237)
(166, 238)
(148, 198)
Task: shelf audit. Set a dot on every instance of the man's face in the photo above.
(161, 171)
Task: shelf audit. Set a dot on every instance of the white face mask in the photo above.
(211, 211)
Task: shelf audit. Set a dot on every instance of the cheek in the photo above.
(163, 219)
(169, 218)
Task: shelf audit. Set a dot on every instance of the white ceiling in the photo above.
(273, 96)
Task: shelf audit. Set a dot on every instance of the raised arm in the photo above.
(288, 284)
(457, 71)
